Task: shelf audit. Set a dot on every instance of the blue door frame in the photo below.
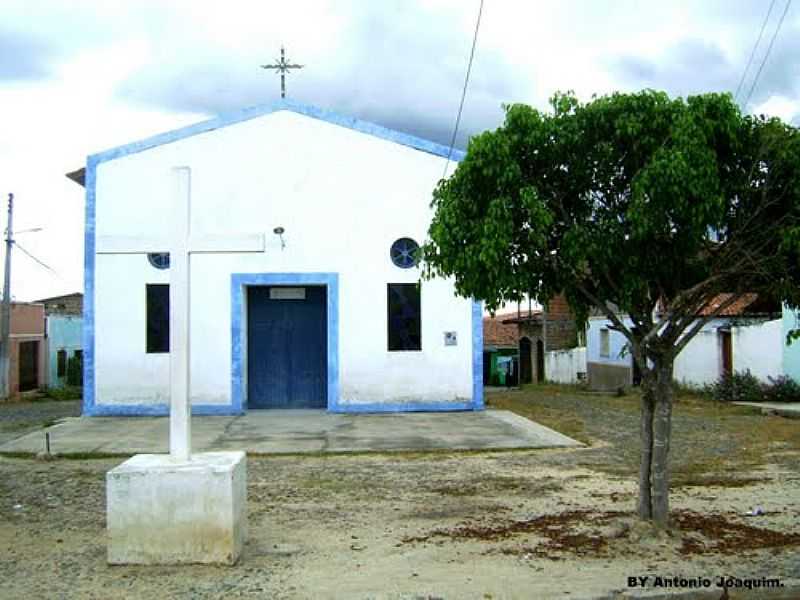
(239, 283)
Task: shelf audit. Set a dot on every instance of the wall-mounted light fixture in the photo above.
(279, 232)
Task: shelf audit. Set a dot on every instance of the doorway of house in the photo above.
(525, 365)
(727, 352)
(539, 361)
(28, 366)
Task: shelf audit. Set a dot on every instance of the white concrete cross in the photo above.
(181, 245)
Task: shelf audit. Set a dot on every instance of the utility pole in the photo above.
(5, 315)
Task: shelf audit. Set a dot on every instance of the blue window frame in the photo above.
(405, 253)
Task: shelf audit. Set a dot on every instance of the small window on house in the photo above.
(605, 344)
(157, 318)
(78, 354)
(61, 363)
(404, 316)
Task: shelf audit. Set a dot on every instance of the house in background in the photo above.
(500, 350)
(27, 371)
(64, 331)
(745, 336)
(551, 345)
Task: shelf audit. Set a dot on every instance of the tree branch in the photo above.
(700, 322)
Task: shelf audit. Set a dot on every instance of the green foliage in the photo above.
(782, 389)
(613, 201)
(745, 387)
(64, 393)
(736, 387)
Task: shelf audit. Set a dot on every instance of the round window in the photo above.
(405, 253)
(160, 260)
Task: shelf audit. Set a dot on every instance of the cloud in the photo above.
(24, 57)
(689, 66)
(781, 73)
(400, 66)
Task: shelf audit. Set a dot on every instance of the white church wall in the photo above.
(342, 197)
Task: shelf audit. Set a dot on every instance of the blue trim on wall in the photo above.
(477, 355)
(239, 281)
(253, 112)
(88, 288)
(89, 381)
(157, 410)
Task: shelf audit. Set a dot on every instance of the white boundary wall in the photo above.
(563, 366)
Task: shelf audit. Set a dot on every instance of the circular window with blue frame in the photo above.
(405, 253)
(160, 260)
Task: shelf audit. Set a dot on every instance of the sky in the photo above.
(81, 76)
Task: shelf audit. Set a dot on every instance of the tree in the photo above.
(639, 206)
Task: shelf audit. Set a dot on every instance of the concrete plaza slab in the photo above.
(298, 431)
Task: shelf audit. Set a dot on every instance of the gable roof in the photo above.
(231, 118)
(76, 295)
(746, 304)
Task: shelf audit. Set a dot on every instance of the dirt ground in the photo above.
(529, 524)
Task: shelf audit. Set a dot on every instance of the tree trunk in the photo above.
(646, 434)
(662, 429)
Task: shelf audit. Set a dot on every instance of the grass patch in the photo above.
(326, 484)
(555, 418)
(16, 426)
(66, 456)
(720, 480)
(62, 393)
(710, 441)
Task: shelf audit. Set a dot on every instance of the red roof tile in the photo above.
(747, 304)
(499, 334)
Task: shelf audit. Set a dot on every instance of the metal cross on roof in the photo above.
(282, 67)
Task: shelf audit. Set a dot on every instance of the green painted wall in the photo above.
(496, 376)
(64, 332)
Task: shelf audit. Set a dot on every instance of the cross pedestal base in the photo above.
(164, 512)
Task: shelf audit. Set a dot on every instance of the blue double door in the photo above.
(287, 341)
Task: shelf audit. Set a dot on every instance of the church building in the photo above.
(303, 280)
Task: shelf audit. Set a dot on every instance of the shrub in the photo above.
(782, 389)
(64, 393)
(737, 387)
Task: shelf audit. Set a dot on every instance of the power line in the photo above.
(464, 91)
(31, 256)
(769, 49)
(753, 52)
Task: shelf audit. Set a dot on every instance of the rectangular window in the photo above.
(404, 316)
(157, 318)
(61, 366)
(605, 344)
